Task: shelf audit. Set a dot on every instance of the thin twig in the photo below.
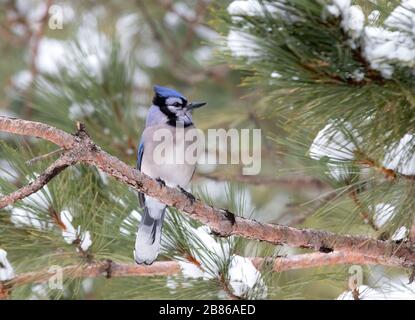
(52, 171)
(43, 157)
(363, 212)
(293, 183)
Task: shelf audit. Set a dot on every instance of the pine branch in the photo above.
(222, 222)
(105, 268)
(37, 129)
(389, 174)
(362, 210)
(52, 171)
(44, 156)
(319, 259)
(109, 269)
(293, 183)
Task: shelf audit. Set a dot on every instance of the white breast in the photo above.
(173, 173)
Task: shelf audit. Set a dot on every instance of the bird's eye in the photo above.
(176, 104)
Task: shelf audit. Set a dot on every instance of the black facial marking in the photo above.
(159, 101)
(172, 118)
(167, 112)
(173, 123)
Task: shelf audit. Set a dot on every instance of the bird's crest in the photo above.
(167, 92)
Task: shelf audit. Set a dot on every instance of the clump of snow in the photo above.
(333, 143)
(34, 11)
(373, 17)
(22, 79)
(149, 56)
(244, 277)
(333, 10)
(358, 75)
(400, 233)
(140, 78)
(353, 18)
(384, 213)
(206, 33)
(88, 285)
(353, 22)
(127, 27)
(190, 270)
(255, 8)
(212, 252)
(24, 216)
(242, 44)
(182, 9)
(70, 234)
(337, 142)
(7, 171)
(203, 54)
(249, 8)
(172, 19)
(403, 17)
(336, 145)
(275, 75)
(6, 269)
(51, 55)
(171, 284)
(401, 157)
(390, 292)
(39, 291)
(383, 46)
(41, 198)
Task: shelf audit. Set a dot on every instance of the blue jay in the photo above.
(169, 109)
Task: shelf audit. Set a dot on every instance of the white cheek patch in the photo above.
(171, 101)
(173, 109)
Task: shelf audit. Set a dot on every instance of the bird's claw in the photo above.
(161, 182)
(189, 196)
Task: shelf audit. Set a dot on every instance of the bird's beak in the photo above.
(195, 105)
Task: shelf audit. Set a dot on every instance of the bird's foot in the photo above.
(189, 196)
(161, 182)
(146, 262)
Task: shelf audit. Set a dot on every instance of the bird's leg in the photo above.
(161, 182)
(189, 196)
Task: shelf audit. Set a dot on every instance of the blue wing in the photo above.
(147, 243)
(140, 153)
